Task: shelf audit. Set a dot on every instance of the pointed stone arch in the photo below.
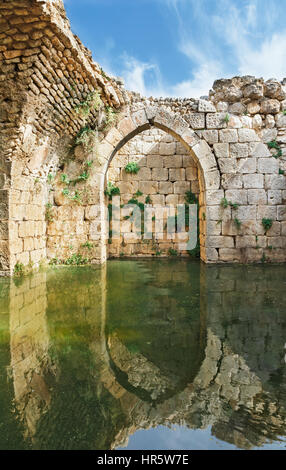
(145, 118)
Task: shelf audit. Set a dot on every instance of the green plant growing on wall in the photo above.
(137, 203)
(87, 137)
(18, 269)
(111, 190)
(274, 145)
(66, 192)
(138, 194)
(226, 119)
(50, 178)
(87, 245)
(104, 74)
(65, 179)
(148, 200)
(49, 213)
(267, 224)
(111, 116)
(82, 177)
(76, 259)
(92, 102)
(76, 197)
(172, 252)
(225, 203)
(132, 168)
(190, 198)
(237, 223)
(284, 112)
(281, 172)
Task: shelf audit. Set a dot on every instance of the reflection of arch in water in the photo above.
(234, 389)
(155, 351)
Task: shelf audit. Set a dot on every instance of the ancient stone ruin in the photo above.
(68, 129)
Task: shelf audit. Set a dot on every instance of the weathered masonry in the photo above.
(64, 128)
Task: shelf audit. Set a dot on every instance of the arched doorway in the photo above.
(173, 125)
(153, 170)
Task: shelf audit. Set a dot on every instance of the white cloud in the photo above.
(220, 39)
(268, 61)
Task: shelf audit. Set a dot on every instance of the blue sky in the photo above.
(179, 47)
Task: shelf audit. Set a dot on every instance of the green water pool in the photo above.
(157, 354)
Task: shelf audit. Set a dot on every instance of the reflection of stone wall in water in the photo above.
(235, 390)
(177, 352)
(70, 397)
(31, 363)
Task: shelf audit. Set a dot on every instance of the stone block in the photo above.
(281, 212)
(214, 228)
(214, 197)
(160, 174)
(16, 246)
(221, 150)
(177, 174)
(217, 213)
(28, 244)
(220, 242)
(205, 106)
(154, 161)
(245, 241)
(275, 182)
(147, 187)
(188, 160)
(166, 187)
(266, 212)
(92, 212)
(173, 199)
(173, 161)
(246, 212)
(239, 150)
(229, 254)
(230, 181)
(191, 174)
(253, 181)
(257, 196)
(270, 106)
(247, 135)
(128, 187)
(211, 136)
(215, 121)
(247, 165)
(196, 120)
(274, 197)
(268, 165)
(227, 165)
(275, 230)
(167, 148)
(228, 136)
(181, 187)
(236, 196)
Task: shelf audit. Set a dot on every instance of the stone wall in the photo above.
(52, 94)
(166, 174)
(45, 72)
